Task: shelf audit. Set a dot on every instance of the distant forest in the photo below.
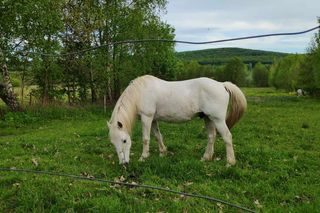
(247, 67)
(221, 56)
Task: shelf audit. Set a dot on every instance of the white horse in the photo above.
(155, 99)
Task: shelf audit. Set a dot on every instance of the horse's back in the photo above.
(186, 88)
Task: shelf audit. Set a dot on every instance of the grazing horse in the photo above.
(175, 101)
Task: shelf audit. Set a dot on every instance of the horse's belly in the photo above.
(175, 102)
(176, 113)
(173, 117)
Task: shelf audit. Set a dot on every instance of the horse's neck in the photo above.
(127, 106)
(126, 110)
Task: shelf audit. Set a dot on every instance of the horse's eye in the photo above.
(124, 141)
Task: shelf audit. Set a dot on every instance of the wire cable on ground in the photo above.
(168, 41)
(212, 199)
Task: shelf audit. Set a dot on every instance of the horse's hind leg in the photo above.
(207, 156)
(157, 134)
(227, 138)
(146, 127)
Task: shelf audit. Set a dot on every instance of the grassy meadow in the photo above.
(277, 147)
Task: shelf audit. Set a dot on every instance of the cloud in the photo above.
(211, 20)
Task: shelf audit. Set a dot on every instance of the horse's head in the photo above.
(121, 140)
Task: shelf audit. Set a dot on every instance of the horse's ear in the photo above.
(119, 124)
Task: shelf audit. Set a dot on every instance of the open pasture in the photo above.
(277, 147)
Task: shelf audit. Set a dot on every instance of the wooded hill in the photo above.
(223, 55)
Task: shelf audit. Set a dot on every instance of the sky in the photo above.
(206, 20)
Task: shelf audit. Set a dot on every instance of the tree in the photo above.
(9, 30)
(65, 27)
(109, 70)
(260, 75)
(46, 25)
(284, 73)
(309, 74)
(6, 89)
(235, 71)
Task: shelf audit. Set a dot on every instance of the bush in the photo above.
(15, 82)
(235, 71)
(260, 75)
(284, 73)
(309, 75)
(35, 116)
(17, 119)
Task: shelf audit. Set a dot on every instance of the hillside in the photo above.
(223, 55)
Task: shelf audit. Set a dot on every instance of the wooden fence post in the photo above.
(105, 103)
(30, 99)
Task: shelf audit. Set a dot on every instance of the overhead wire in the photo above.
(135, 41)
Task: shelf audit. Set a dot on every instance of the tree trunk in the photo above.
(45, 93)
(115, 72)
(23, 83)
(74, 91)
(68, 93)
(92, 86)
(6, 91)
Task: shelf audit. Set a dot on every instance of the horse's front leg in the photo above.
(157, 134)
(146, 128)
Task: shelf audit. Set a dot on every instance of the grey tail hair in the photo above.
(238, 104)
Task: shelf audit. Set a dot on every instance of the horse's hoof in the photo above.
(206, 158)
(163, 154)
(142, 159)
(231, 163)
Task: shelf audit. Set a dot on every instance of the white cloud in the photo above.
(205, 20)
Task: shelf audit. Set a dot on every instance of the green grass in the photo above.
(277, 146)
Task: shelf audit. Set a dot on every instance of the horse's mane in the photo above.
(125, 110)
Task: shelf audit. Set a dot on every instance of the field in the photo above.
(277, 146)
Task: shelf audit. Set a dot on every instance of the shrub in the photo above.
(235, 71)
(260, 75)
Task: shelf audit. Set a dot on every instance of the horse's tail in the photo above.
(238, 104)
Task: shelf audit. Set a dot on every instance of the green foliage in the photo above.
(37, 116)
(309, 75)
(220, 56)
(306, 77)
(54, 27)
(284, 73)
(18, 119)
(260, 75)
(15, 82)
(277, 166)
(235, 71)
(192, 69)
(14, 78)
(299, 71)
